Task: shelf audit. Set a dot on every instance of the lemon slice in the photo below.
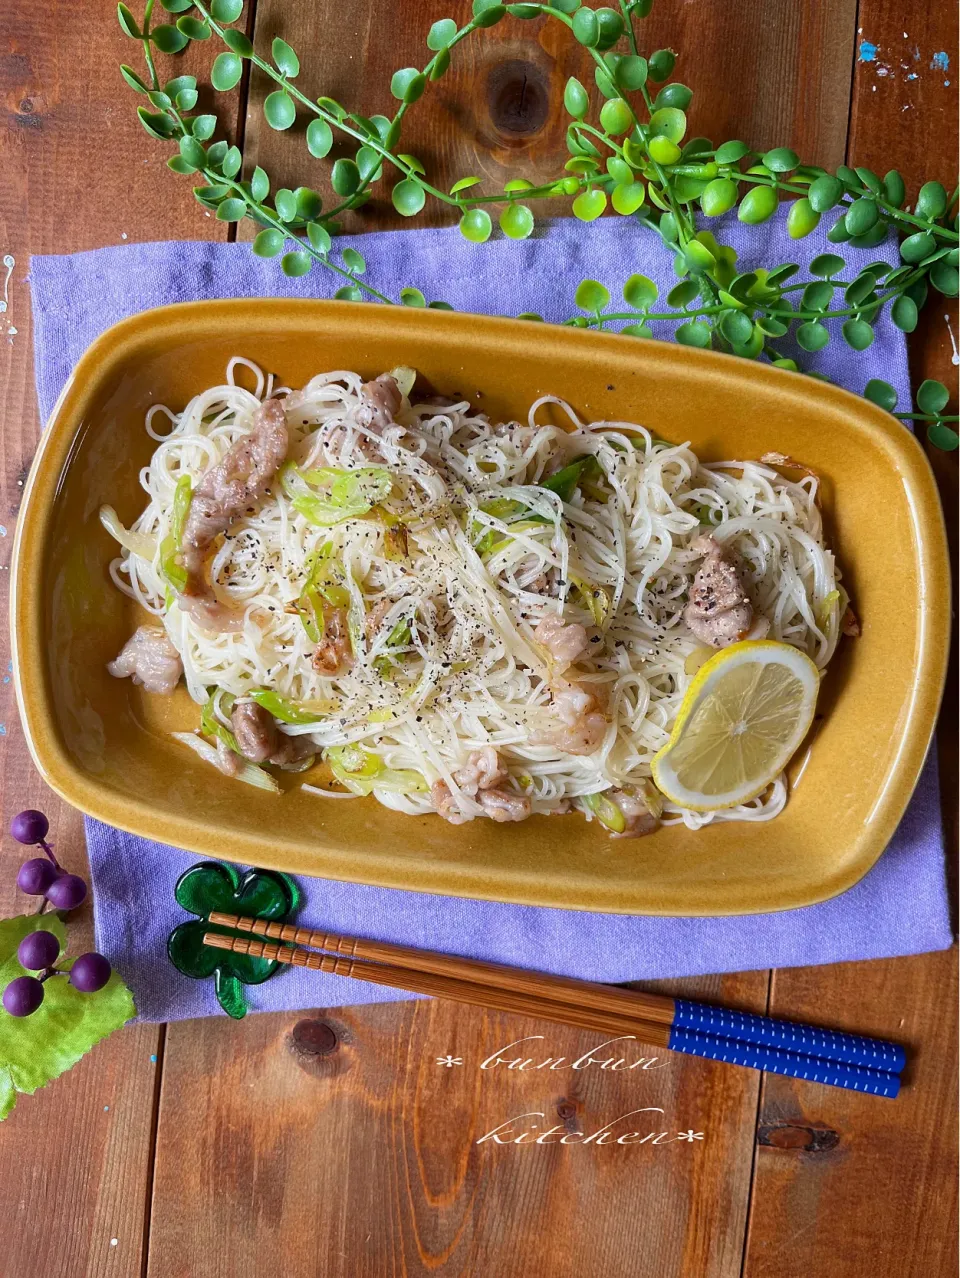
(742, 718)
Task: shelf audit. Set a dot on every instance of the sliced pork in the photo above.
(149, 658)
(719, 611)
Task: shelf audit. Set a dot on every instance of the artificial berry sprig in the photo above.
(44, 875)
(38, 953)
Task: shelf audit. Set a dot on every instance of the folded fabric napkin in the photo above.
(900, 907)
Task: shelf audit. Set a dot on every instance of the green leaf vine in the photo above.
(635, 158)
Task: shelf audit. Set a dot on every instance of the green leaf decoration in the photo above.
(193, 152)
(693, 333)
(440, 64)
(238, 43)
(802, 219)
(35, 1050)
(861, 216)
(279, 110)
(858, 334)
(640, 292)
(156, 124)
(637, 330)
(668, 123)
(319, 237)
(516, 221)
(296, 263)
(684, 293)
(813, 336)
(718, 196)
(616, 117)
(586, 28)
(308, 203)
(168, 39)
(661, 66)
(354, 261)
(285, 203)
(212, 885)
(232, 211)
(345, 177)
(133, 79)
(226, 72)
(269, 243)
(758, 205)
(259, 184)
(931, 201)
(230, 165)
(932, 396)
(943, 437)
(412, 297)
(916, 247)
(592, 296)
(631, 73)
(319, 138)
(731, 152)
(589, 205)
(177, 6)
(475, 225)
(881, 393)
(781, 160)
(736, 327)
(408, 85)
(464, 184)
(487, 12)
(285, 59)
(349, 293)
(628, 197)
(128, 22)
(826, 264)
(441, 33)
(575, 98)
(193, 28)
(945, 278)
(204, 126)
(894, 189)
(408, 197)
(226, 11)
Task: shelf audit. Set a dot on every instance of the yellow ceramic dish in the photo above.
(104, 745)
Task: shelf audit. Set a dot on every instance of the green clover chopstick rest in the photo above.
(211, 886)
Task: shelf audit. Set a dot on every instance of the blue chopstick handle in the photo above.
(777, 1061)
(829, 1045)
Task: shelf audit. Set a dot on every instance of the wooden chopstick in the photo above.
(442, 986)
(654, 1008)
(678, 1016)
(583, 1016)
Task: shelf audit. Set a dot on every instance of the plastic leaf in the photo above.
(296, 263)
(285, 58)
(226, 72)
(592, 296)
(516, 221)
(279, 110)
(268, 243)
(640, 292)
(881, 393)
(408, 197)
(168, 39)
(39, 1048)
(226, 11)
(932, 396)
(475, 225)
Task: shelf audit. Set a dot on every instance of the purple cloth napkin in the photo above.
(899, 908)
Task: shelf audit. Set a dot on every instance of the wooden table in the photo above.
(331, 1143)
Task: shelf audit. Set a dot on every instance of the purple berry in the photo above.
(30, 826)
(90, 973)
(36, 876)
(38, 951)
(23, 996)
(66, 892)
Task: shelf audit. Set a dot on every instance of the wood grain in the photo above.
(78, 172)
(365, 1161)
(498, 112)
(843, 1186)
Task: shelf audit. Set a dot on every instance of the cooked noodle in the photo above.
(470, 672)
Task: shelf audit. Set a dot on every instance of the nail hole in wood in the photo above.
(517, 97)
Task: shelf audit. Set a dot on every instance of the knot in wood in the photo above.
(517, 96)
(315, 1038)
(801, 1136)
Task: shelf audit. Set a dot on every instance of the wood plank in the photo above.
(369, 1161)
(498, 112)
(845, 1184)
(78, 172)
(858, 1185)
